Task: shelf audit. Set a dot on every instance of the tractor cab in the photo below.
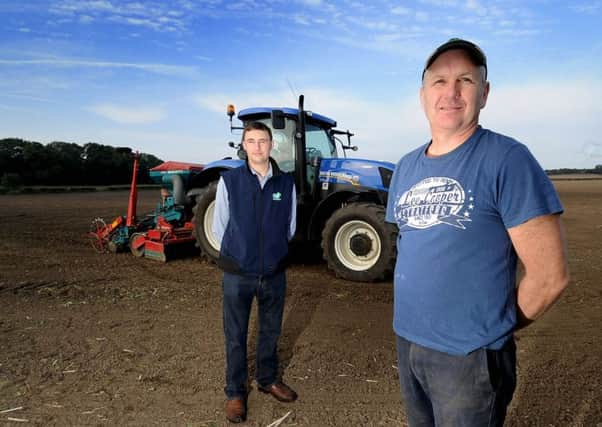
(301, 140)
(319, 143)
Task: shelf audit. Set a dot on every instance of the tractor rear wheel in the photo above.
(203, 222)
(358, 244)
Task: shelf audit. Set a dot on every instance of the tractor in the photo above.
(341, 201)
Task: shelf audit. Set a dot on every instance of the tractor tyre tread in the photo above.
(374, 215)
(203, 200)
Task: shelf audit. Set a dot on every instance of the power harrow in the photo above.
(155, 235)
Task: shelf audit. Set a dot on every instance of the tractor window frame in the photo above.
(283, 149)
(318, 138)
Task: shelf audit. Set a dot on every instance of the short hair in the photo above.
(256, 126)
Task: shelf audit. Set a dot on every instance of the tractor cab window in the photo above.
(283, 149)
(318, 144)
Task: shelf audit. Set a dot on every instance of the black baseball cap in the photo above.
(476, 54)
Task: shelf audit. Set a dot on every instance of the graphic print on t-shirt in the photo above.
(432, 201)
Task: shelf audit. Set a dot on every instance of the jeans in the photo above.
(439, 389)
(239, 292)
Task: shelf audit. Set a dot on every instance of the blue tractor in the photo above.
(341, 201)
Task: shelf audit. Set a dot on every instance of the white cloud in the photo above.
(373, 24)
(217, 102)
(476, 6)
(555, 102)
(422, 16)
(155, 16)
(384, 131)
(592, 7)
(400, 10)
(311, 2)
(593, 149)
(163, 69)
(72, 6)
(441, 3)
(131, 115)
(301, 20)
(86, 19)
(557, 120)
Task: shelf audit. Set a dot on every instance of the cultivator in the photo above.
(169, 226)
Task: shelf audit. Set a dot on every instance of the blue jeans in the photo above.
(239, 292)
(439, 389)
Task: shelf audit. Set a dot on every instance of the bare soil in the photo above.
(110, 339)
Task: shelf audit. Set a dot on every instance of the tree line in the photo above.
(29, 163)
(563, 171)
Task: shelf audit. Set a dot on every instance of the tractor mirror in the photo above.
(278, 119)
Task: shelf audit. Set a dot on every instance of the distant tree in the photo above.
(10, 180)
(11, 155)
(147, 161)
(34, 163)
(100, 164)
(64, 163)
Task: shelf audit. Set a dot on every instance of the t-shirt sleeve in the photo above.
(524, 191)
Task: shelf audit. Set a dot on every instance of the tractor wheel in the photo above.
(358, 244)
(203, 222)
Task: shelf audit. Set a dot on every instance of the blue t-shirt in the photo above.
(455, 275)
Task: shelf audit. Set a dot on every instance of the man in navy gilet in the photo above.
(468, 204)
(254, 218)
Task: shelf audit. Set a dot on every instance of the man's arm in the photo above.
(221, 211)
(541, 247)
(292, 227)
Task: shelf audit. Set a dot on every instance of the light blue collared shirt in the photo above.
(221, 211)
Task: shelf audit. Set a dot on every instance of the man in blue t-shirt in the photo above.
(468, 205)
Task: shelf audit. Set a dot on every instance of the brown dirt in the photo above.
(90, 339)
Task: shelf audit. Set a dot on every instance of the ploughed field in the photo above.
(91, 339)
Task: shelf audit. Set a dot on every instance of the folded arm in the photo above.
(541, 247)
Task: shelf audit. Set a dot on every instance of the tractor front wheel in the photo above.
(358, 244)
(203, 222)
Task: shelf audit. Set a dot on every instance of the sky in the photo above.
(157, 76)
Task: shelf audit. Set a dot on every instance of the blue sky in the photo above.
(157, 75)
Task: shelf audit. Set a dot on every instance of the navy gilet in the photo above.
(255, 241)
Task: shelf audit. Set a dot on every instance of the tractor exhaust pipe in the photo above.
(300, 147)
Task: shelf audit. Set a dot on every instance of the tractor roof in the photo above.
(262, 112)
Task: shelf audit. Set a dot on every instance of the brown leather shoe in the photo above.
(280, 391)
(236, 410)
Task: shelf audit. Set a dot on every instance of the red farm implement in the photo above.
(159, 235)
